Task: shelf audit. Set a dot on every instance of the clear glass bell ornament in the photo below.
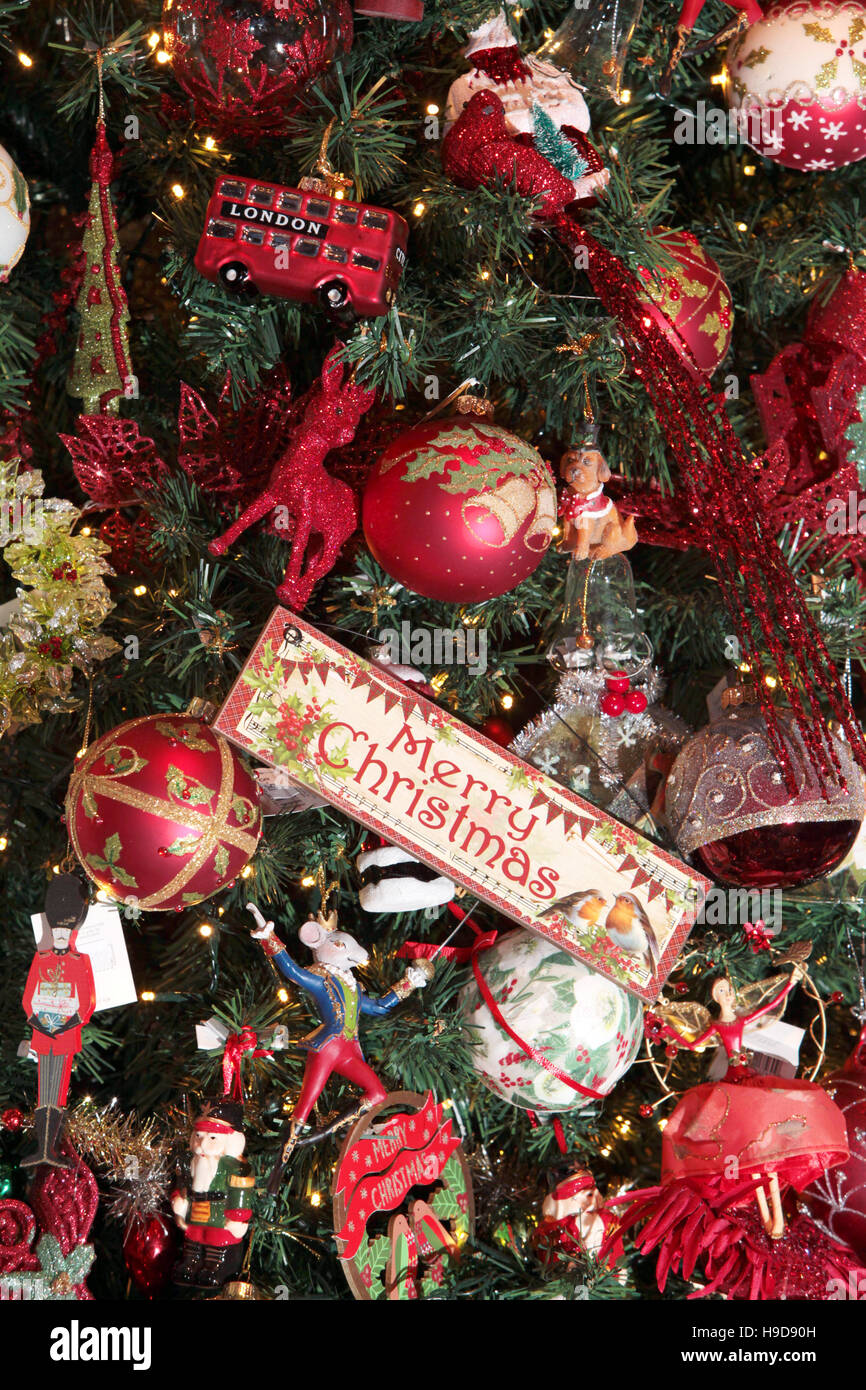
(599, 627)
(592, 42)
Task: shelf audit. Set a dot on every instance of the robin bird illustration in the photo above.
(629, 928)
(578, 908)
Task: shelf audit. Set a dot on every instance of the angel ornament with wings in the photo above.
(735, 1153)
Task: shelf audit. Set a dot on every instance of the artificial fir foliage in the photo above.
(489, 296)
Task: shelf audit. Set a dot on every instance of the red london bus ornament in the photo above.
(302, 243)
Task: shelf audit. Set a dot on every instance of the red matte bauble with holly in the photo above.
(248, 63)
(459, 509)
(796, 83)
(837, 1200)
(689, 301)
(149, 1252)
(162, 812)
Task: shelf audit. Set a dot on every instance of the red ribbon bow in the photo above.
(236, 1045)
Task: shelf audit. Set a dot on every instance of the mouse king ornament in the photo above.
(59, 998)
(341, 1003)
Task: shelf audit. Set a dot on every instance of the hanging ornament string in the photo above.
(718, 486)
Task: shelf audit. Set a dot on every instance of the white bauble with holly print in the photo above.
(585, 1025)
(797, 80)
(14, 215)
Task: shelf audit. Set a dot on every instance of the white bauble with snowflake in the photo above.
(797, 80)
(583, 1024)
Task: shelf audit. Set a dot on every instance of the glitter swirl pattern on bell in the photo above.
(728, 802)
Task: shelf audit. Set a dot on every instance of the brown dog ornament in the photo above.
(592, 527)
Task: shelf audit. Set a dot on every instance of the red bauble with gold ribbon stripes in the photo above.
(162, 812)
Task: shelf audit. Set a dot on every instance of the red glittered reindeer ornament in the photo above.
(322, 510)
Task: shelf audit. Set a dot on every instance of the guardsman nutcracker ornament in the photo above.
(341, 1003)
(213, 1208)
(59, 998)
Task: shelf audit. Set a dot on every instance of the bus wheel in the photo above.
(236, 276)
(335, 295)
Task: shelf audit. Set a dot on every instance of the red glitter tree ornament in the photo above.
(247, 63)
(162, 811)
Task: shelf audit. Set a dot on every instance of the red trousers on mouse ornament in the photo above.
(343, 1056)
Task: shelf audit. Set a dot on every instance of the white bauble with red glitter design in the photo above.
(585, 1026)
(798, 81)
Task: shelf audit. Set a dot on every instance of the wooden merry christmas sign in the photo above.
(426, 782)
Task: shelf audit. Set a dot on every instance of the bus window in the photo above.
(262, 195)
(305, 246)
(282, 239)
(344, 214)
(336, 253)
(318, 207)
(221, 229)
(254, 235)
(366, 262)
(378, 220)
(290, 202)
(232, 189)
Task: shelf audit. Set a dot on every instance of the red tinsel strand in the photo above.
(716, 478)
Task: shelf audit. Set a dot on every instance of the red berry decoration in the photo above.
(12, 1119)
(692, 306)
(635, 702)
(173, 822)
(247, 63)
(459, 509)
(612, 704)
(645, 1111)
(728, 803)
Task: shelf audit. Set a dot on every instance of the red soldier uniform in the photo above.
(59, 998)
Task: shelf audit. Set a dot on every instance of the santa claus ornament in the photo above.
(459, 509)
(797, 80)
(162, 811)
(543, 112)
(728, 803)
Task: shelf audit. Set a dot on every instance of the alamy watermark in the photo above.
(21, 519)
(716, 125)
(437, 646)
(734, 907)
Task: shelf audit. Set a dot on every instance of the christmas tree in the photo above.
(517, 356)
